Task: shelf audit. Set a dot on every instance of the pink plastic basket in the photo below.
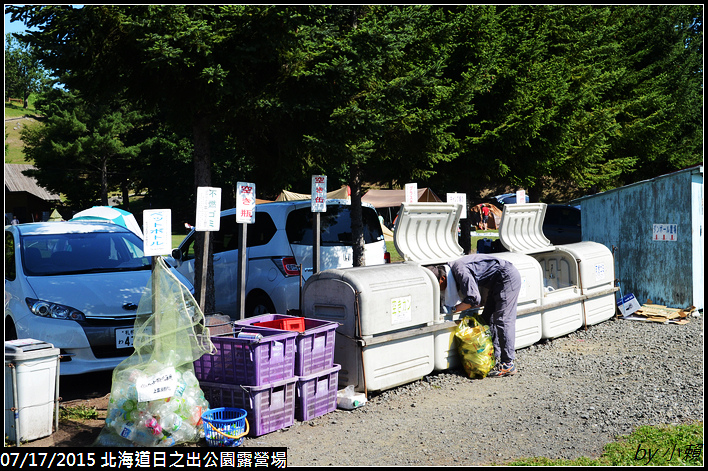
(247, 361)
(269, 407)
(317, 394)
(314, 350)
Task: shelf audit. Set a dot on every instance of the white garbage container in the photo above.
(31, 371)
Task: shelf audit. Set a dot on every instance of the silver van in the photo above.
(279, 243)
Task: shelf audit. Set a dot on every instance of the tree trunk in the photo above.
(125, 193)
(202, 177)
(357, 219)
(104, 181)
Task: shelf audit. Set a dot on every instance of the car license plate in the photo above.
(124, 338)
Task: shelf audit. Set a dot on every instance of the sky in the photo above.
(14, 27)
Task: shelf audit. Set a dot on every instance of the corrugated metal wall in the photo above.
(664, 271)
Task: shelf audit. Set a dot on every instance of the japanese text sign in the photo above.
(157, 232)
(461, 199)
(411, 192)
(319, 193)
(665, 232)
(208, 209)
(245, 203)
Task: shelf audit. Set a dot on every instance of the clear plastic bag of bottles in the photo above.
(475, 346)
(155, 396)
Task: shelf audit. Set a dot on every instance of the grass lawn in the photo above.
(13, 144)
(396, 257)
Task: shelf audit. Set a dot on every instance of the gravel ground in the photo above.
(571, 396)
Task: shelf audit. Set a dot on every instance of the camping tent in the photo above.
(391, 198)
(496, 213)
(342, 194)
(387, 202)
(55, 216)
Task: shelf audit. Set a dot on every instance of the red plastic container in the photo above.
(295, 324)
(314, 350)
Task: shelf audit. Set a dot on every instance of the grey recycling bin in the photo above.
(31, 389)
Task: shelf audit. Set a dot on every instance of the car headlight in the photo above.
(53, 310)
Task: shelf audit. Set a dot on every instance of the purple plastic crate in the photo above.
(269, 407)
(248, 362)
(317, 394)
(314, 350)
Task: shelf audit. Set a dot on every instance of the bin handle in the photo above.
(227, 435)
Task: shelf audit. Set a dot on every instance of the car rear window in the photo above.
(559, 215)
(335, 226)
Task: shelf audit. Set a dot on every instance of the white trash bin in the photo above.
(31, 373)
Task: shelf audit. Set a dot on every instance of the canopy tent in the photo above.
(342, 194)
(385, 200)
(55, 216)
(108, 213)
(391, 198)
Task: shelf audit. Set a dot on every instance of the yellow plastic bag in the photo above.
(475, 346)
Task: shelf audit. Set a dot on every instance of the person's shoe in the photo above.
(503, 369)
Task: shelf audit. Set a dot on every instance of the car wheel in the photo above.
(10, 331)
(259, 303)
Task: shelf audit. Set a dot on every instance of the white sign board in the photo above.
(245, 203)
(157, 232)
(319, 193)
(665, 232)
(208, 209)
(520, 196)
(159, 385)
(411, 192)
(459, 198)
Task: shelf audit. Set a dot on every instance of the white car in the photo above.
(76, 285)
(278, 244)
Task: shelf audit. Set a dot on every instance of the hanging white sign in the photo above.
(411, 192)
(157, 232)
(245, 203)
(319, 193)
(461, 199)
(208, 209)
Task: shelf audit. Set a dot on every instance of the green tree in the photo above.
(23, 73)
(198, 66)
(78, 144)
(659, 96)
(383, 107)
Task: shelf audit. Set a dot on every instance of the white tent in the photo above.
(342, 194)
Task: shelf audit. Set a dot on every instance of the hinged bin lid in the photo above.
(426, 233)
(521, 228)
(28, 349)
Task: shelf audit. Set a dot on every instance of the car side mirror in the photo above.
(177, 254)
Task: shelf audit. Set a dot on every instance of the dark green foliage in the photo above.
(459, 98)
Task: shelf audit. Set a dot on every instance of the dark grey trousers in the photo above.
(500, 312)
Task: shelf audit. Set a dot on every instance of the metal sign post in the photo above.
(319, 205)
(245, 214)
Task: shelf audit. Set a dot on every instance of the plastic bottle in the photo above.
(124, 429)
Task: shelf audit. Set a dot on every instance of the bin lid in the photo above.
(521, 228)
(427, 232)
(27, 349)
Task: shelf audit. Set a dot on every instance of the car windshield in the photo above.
(72, 253)
(335, 226)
